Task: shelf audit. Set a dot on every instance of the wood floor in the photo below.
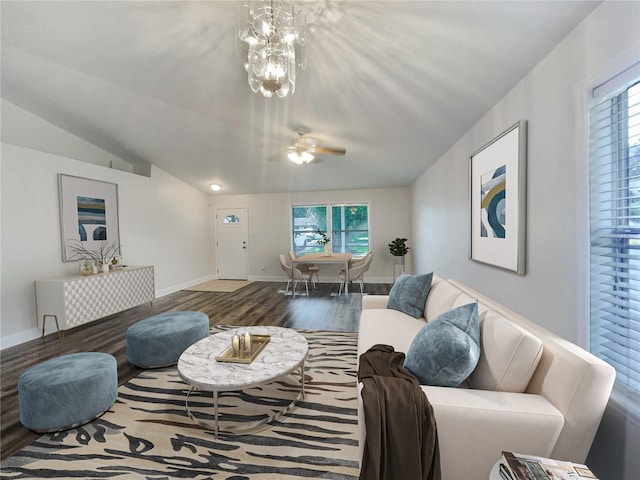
(260, 303)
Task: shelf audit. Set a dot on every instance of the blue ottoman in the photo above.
(67, 391)
(159, 341)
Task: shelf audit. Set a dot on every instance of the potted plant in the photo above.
(398, 248)
(324, 241)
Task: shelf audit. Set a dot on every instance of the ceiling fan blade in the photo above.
(333, 151)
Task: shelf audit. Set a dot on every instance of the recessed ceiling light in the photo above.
(215, 187)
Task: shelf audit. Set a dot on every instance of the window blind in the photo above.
(614, 137)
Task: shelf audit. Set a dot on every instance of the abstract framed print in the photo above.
(498, 191)
(88, 213)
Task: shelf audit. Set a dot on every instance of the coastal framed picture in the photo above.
(88, 213)
(498, 193)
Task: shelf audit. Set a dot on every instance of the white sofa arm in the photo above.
(475, 426)
(374, 301)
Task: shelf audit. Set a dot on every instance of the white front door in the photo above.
(232, 245)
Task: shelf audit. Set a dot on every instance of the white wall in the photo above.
(163, 222)
(553, 292)
(20, 127)
(270, 225)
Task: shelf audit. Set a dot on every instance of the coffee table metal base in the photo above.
(244, 429)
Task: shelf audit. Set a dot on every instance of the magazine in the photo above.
(516, 466)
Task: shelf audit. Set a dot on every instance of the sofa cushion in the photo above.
(387, 327)
(409, 294)
(443, 297)
(509, 355)
(446, 350)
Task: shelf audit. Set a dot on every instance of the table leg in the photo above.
(302, 377)
(251, 428)
(215, 414)
(346, 279)
(55, 317)
(293, 281)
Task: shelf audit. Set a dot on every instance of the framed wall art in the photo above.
(88, 214)
(498, 190)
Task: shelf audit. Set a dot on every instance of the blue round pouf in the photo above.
(159, 341)
(67, 391)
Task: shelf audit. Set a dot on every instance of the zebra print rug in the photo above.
(147, 433)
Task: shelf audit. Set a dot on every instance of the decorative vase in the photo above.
(85, 267)
(104, 267)
(327, 250)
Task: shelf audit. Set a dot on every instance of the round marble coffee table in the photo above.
(197, 366)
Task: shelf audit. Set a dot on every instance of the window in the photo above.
(614, 138)
(307, 221)
(231, 219)
(349, 231)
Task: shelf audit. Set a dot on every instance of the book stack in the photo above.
(516, 466)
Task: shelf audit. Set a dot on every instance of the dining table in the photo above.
(322, 259)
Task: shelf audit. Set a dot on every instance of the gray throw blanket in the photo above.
(402, 440)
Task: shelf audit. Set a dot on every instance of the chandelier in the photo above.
(270, 41)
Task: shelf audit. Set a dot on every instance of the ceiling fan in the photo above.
(303, 149)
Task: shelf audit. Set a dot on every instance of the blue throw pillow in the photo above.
(446, 350)
(409, 294)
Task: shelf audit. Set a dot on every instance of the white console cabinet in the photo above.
(76, 300)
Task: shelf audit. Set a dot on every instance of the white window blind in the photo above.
(614, 132)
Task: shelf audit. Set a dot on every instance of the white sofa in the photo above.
(531, 392)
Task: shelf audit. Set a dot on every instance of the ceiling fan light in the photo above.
(300, 157)
(303, 149)
(295, 158)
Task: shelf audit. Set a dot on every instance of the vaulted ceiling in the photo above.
(396, 83)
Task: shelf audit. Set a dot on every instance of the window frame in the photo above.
(618, 236)
(343, 232)
(296, 248)
(309, 236)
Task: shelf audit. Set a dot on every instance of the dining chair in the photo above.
(298, 275)
(357, 269)
(309, 267)
(360, 261)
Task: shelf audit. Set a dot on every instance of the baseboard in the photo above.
(332, 279)
(266, 278)
(182, 286)
(261, 278)
(20, 337)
